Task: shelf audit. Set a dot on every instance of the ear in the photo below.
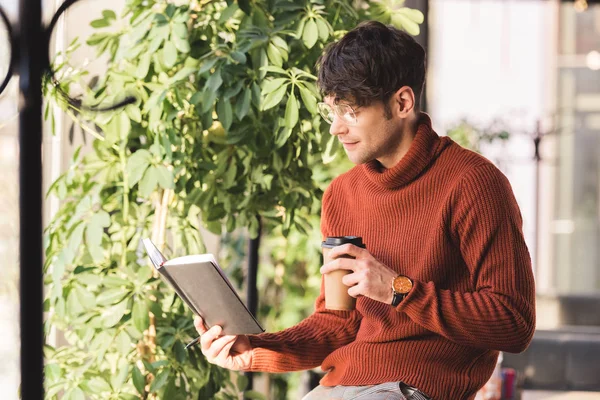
(403, 102)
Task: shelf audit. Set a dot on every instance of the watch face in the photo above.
(402, 284)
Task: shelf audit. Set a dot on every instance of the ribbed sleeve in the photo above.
(306, 345)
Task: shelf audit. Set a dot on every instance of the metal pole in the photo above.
(30, 66)
(252, 294)
(537, 138)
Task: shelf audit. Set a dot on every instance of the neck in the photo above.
(407, 135)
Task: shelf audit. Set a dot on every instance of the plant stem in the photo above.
(123, 158)
(88, 129)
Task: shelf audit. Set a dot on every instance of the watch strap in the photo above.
(397, 298)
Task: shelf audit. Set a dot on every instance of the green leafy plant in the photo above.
(472, 135)
(223, 134)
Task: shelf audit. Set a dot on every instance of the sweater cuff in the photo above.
(255, 343)
(263, 359)
(412, 297)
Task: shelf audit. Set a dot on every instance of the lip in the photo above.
(349, 145)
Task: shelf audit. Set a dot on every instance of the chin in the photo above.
(358, 159)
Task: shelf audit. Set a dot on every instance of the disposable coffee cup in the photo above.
(336, 293)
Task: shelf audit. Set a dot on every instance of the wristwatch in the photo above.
(401, 285)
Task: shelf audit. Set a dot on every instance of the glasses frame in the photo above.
(345, 112)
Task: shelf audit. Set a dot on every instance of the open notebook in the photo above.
(204, 287)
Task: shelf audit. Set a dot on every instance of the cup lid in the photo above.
(333, 241)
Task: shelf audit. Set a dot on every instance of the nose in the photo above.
(338, 127)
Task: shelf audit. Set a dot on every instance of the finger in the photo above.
(349, 250)
(217, 347)
(352, 279)
(199, 324)
(224, 357)
(355, 291)
(340, 263)
(208, 337)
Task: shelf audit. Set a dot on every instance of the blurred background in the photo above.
(518, 81)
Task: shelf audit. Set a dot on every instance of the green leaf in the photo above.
(97, 38)
(256, 98)
(118, 128)
(141, 318)
(225, 113)
(134, 113)
(139, 381)
(401, 21)
(180, 352)
(323, 29)
(117, 381)
(123, 343)
(114, 281)
(279, 42)
(94, 231)
(412, 14)
(207, 65)
(274, 55)
(109, 14)
(243, 104)
(227, 13)
(330, 151)
(149, 367)
(112, 315)
(143, 66)
(230, 175)
(242, 382)
(272, 85)
(98, 385)
(99, 23)
(165, 177)
(180, 30)
(182, 44)
(245, 6)
(161, 33)
(310, 34)
(238, 57)
(169, 54)
(86, 298)
(272, 68)
(75, 394)
(149, 181)
(291, 111)
(52, 372)
(160, 380)
(137, 165)
(183, 73)
(274, 98)
(263, 63)
(251, 394)
(282, 136)
(213, 83)
(308, 99)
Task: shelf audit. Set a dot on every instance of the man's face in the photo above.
(374, 136)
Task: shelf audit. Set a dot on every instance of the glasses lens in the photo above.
(326, 112)
(347, 114)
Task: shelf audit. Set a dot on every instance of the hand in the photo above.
(369, 277)
(233, 352)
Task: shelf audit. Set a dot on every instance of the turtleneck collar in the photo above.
(425, 146)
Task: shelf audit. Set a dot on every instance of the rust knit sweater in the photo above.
(447, 218)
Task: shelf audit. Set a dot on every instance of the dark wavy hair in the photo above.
(370, 63)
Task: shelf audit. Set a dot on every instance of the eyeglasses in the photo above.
(343, 111)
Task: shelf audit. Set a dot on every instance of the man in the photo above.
(445, 282)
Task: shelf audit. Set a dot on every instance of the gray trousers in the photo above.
(384, 391)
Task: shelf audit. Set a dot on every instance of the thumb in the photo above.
(199, 324)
